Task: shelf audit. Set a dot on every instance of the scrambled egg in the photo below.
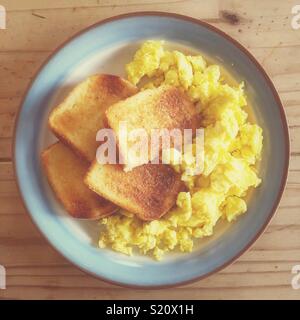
(232, 147)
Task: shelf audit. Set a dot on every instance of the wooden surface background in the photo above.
(34, 29)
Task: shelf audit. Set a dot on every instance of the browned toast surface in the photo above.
(65, 173)
(78, 118)
(149, 190)
(165, 107)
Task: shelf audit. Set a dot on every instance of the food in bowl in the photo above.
(232, 147)
(148, 191)
(155, 109)
(77, 119)
(65, 172)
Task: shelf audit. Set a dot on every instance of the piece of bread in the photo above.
(165, 107)
(149, 190)
(65, 172)
(78, 118)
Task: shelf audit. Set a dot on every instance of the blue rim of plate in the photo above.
(182, 18)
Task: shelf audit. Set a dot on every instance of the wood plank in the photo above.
(219, 281)
(14, 229)
(294, 138)
(39, 292)
(6, 171)
(15, 5)
(63, 22)
(294, 177)
(260, 25)
(8, 188)
(39, 252)
(8, 112)
(249, 26)
(290, 197)
(11, 205)
(5, 149)
(60, 276)
(295, 162)
(286, 216)
(238, 267)
(16, 72)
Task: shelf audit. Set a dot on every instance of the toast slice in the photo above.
(149, 190)
(78, 118)
(165, 107)
(65, 172)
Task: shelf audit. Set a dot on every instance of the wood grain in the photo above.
(35, 29)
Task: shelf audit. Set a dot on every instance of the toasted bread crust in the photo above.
(149, 190)
(65, 173)
(165, 107)
(78, 118)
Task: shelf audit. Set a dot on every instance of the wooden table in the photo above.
(34, 29)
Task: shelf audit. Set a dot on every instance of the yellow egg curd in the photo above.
(232, 148)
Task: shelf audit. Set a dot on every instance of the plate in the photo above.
(106, 47)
